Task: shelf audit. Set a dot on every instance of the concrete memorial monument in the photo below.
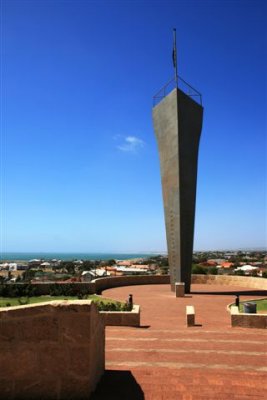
(177, 119)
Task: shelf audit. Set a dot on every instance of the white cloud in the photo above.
(131, 144)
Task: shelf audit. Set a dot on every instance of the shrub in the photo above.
(68, 289)
(20, 290)
(28, 275)
(82, 296)
(55, 290)
(113, 306)
(13, 291)
(198, 269)
(213, 271)
(3, 290)
(164, 269)
(239, 272)
(23, 301)
(30, 291)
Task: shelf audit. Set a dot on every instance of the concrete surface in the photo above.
(177, 123)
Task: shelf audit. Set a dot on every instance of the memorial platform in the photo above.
(164, 359)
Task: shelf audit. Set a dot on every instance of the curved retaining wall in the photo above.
(231, 280)
(100, 284)
(51, 350)
(116, 281)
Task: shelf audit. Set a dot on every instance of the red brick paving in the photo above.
(165, 360)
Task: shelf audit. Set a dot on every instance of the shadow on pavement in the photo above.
(117, 385)
(251, 292)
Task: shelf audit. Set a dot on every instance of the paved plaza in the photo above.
(165, 360)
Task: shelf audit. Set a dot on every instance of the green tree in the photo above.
(240, 272)
(213, 271)
(111, 262)
(86, 265)
(69, 266)
(164, 270)
(198, 269)
(28, 275)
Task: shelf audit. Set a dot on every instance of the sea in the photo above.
(7, 256)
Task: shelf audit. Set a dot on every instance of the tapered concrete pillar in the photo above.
(177, 123)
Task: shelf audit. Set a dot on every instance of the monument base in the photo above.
(179, 289)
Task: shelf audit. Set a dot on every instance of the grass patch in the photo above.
(102, 303)
(261, 304)
(18, 301)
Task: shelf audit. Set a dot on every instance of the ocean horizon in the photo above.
(26, 256)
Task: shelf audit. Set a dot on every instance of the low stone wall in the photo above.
(122, 318)
(244, 320)
(116, 281)
(51, 350)
(97, 285)
(231, 280)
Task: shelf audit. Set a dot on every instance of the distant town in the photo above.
(247, 263)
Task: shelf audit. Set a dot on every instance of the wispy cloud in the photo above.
(131, 144)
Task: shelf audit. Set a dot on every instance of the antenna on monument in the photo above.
(174, 57)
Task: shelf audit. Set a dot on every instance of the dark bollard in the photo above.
(250, 308)
(129, 303)
(237, 300)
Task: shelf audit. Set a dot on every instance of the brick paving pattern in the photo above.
(165, 360)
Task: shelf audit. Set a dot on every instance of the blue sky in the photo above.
(80, 167)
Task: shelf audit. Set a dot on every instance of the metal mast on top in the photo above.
(191, 92)
(174, 57)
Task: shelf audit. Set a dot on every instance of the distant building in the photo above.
(232, 254)
(22, 267)
(226, 265)
(88, 276)
(4, 267)
(141, 266)
(218, 261)
(45, 264)
(247, 269)
(124, 263)
(35, 262)
(131, 271)
(12, 267)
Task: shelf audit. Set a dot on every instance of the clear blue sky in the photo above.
(80, 167)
